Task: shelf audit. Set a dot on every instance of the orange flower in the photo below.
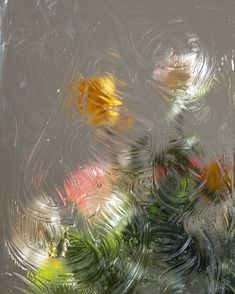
(96, 98)
(216, 176)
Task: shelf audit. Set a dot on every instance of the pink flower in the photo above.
(85, 183)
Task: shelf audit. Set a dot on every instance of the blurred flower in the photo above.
(160, 172)
(102, 203)
(84, 184)
(216, 176)
(51, 268)
(180, 74)
(175, 76)
(53, 275)
(96, 98)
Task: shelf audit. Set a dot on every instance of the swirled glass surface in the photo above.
(117, 146)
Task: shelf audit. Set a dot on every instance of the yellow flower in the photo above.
(51, 270)
(96, 98)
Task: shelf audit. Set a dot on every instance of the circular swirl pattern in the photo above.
(109, 191)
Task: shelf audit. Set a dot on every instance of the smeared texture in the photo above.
(117, 146)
